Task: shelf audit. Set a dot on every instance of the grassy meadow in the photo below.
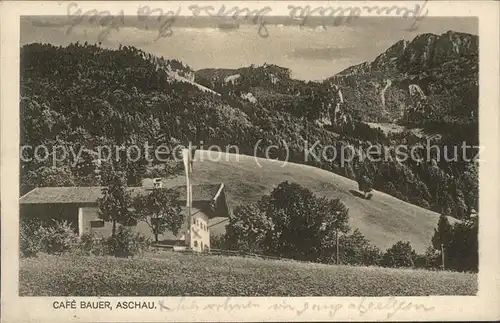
(165, 273)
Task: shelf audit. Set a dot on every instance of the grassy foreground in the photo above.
(173, 274)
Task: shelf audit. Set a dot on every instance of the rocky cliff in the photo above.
(432, 74)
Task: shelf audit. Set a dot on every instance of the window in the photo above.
(196, 244)
(97, 223)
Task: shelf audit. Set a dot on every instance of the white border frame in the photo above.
(484, 306)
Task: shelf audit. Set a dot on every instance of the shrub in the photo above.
(57, 238)
(355, 249)
(126, 243)
(29, 239)
(218, 241)
(365, 184)
(400, 254)
(420, 261)
(372, 256)
(431, 259)
(93, 244)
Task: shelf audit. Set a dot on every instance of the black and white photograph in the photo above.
(230, 152)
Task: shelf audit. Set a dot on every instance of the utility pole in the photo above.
(337, 244)
(188, 165)
(337, 237)
(442, 256)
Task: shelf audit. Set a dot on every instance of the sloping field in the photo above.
(203, 275)
(391, 127)
(383, 219)
(395, 128)
(199, 86)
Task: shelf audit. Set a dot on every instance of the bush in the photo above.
(218, 242)
(93, 244)
(29, 239)
(57, 238)
(399, 255)
(126, 243)
(372, 256)
(356, 250)
(431, 259)
(365, 184)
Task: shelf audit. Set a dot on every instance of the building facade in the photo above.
(78, 206)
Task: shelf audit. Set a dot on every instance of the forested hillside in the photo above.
(85, 96)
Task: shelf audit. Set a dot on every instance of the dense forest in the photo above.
(84, 96)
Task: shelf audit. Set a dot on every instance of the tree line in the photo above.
(292, 222)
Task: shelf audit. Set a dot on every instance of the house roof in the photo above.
(90, 194)
(204, 192)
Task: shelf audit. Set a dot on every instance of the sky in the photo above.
(311, 53)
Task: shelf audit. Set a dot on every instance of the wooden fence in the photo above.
(224, 252)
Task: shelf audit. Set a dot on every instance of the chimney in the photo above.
(157, 183)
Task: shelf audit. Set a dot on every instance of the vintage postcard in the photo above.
(250, 161)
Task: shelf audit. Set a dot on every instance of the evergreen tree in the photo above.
(443, 234)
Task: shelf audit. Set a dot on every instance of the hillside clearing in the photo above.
(203, 275)
(179, 78)
(383, 219)
(395, 128)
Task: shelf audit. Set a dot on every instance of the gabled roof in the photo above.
(90, 194)
(70, 194)
(204, 192)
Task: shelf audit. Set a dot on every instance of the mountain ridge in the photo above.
(408, 51)
(442, 68)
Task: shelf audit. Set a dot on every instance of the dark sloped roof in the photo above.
(90, 194)
(204, 192)
(71, 194)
